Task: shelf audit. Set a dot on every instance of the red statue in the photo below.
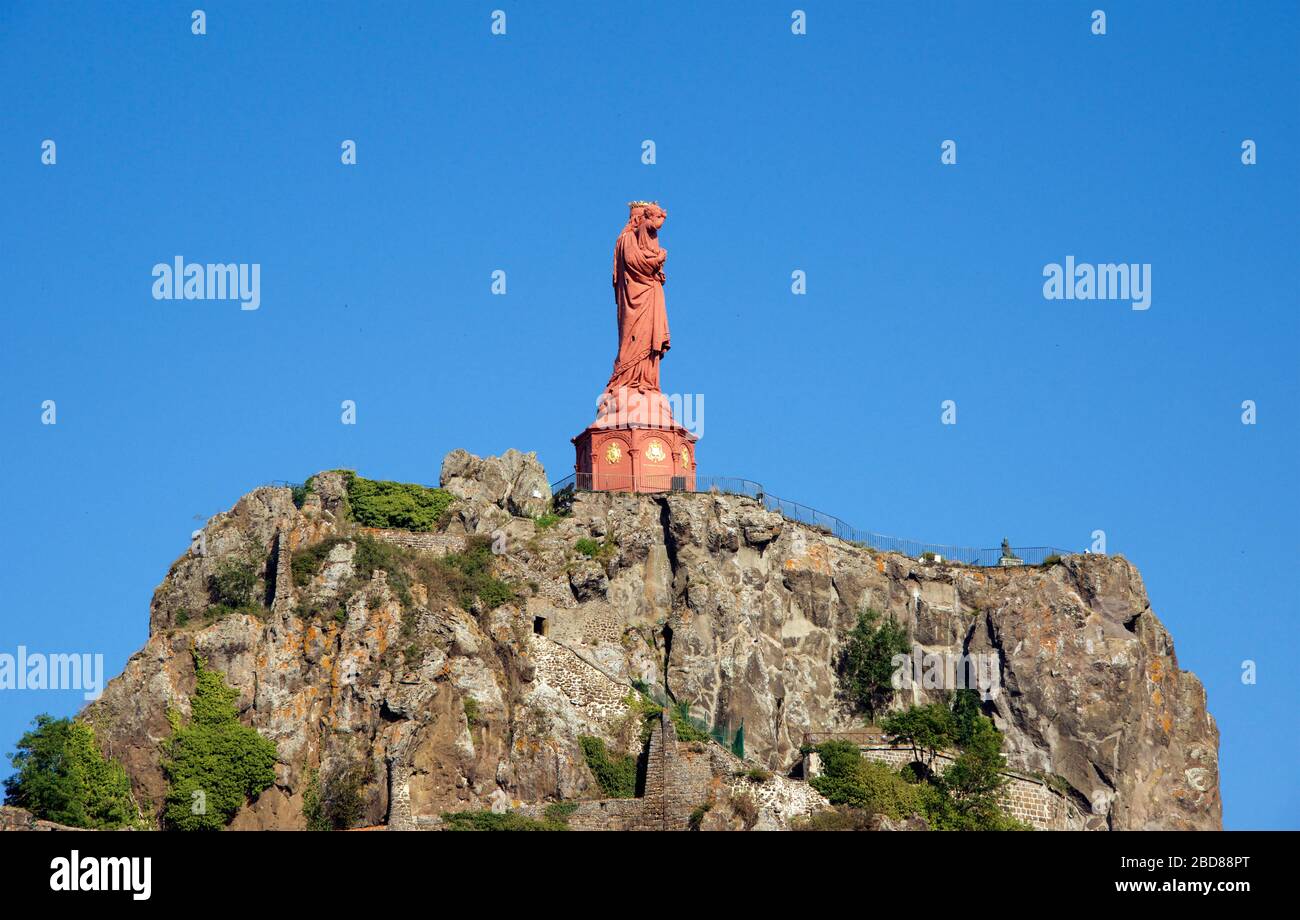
(639, 294)
(635, 444)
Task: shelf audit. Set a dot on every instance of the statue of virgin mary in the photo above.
(632, 393)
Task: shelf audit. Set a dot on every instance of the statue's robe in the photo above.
(642, 316)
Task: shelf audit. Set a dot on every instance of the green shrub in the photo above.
(594, 550)
(696, 820)
(233, 584)
(301, 491)
(687, 729)
(307, 561)
(647, 709)
(508, 821)
(312, 808)
(616, 776)
(1051, 560)
(848, 778)
(842, 818)
(464, 577)
(372, 554)
(866, 664)
(337, 807)
(220, 611)
(472, 717)
(560, 811)
(973, 783)
(368, 555)
(398, 505)
(61, 776)
(468, 575)
(213, 764)
(547, 521)
(745, 807)
(494, 592)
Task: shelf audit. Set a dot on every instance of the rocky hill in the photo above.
(360, 657)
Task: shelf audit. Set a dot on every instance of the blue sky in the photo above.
(775, 152)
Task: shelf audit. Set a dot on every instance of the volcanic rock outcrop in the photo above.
(353, 668)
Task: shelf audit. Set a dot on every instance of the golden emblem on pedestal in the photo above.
(613, 454)
(654, 452)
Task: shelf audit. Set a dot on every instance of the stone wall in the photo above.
(682, 777)
(282, 589)
(1037, 804)
(1025, 798)
(591, 624)
(647, 813)
(399, 797)
(599, 696)
(438, 543)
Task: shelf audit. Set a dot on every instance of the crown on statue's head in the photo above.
(633, 205)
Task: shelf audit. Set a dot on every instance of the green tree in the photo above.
(866, 665)
(965, 796)
(927, 729)
(213, 764)
(967, 716)
(973, 782)
(968, 794)
(62, 776)
(313, 809)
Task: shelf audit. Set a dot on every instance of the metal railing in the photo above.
(794, 511)
(857, 736)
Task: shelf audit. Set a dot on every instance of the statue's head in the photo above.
(646, 213)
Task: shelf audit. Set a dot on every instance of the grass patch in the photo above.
(306, 562)
(221, 611)
(616, 776)
(593, 550)
(643, 705)
(466, 576)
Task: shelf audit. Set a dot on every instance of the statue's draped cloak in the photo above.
(642, 315)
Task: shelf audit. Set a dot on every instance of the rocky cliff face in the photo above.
(724, 605)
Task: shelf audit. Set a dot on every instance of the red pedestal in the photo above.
(635, 458)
